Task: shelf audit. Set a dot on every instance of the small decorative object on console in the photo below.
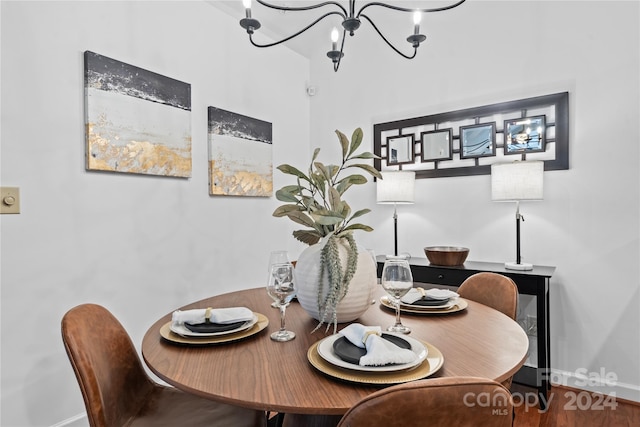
(446, 255)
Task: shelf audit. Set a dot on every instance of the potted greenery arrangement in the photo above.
(329, 268)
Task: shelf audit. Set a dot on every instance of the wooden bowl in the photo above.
(446, 255)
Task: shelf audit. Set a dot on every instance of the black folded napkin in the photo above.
(351, 353)
(213, 327)
(429, 302)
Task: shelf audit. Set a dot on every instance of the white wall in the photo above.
(487, 52)
(138, 245)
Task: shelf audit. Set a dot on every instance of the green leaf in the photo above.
(284, 210)
(286, 196)
(290, 170)
(366, 155)
(356, 179)
(373, 171)
(315, 154)
(327, 217)
(343, 186)
(333, 170)
(360, 213)
(300, 218)
(357, 227)
(334, 197)
(356, 140)
(318, 181)
(309, 201)
(310, 237)
(293, 189)
(344, 142)
(323, 170)
(344, 209)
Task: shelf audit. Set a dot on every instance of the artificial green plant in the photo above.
(316, 202)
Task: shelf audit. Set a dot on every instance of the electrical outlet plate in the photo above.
(9, 200)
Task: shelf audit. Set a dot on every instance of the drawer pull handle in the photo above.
(440, 276)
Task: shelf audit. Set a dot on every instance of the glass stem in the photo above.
(398, 313)
(283, 308)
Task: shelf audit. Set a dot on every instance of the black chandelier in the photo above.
(350, 23)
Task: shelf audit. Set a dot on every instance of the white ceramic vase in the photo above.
(361, 287)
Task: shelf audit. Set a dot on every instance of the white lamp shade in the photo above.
(396, 187)
(517, 181)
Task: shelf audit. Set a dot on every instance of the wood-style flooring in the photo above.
(569, 407)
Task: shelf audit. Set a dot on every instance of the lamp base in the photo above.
(404, 255)
(516, 266)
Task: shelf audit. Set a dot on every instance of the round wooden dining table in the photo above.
(259, 373)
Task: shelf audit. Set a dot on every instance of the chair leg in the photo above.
(274, 419)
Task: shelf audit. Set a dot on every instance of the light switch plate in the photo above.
(9, 200)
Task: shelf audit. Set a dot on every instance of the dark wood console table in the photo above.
(532, 282)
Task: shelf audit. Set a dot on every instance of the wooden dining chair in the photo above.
(118, 392)
(437, 402)
(492, 289)
(496, 291)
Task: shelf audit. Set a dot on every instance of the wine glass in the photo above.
(397, 281)
(281, 287)
(277, 257)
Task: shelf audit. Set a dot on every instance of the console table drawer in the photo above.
(439, 277)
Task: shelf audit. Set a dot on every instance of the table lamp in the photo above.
(397, 187)
(513, 182)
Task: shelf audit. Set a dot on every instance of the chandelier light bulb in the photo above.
(247, 8)
(334, 39)
(334, 35)
(417, 17)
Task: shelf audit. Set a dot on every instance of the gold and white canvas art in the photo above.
(137, 121)
(240, 157)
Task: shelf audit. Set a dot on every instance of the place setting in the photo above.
(366, 354)
(212, 325)
(427, 301)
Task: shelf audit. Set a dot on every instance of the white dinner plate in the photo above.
(325, 350)
(183, 331)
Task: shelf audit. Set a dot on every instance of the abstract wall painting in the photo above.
(137, 121)
(240, 155)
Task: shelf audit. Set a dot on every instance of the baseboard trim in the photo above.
(595, 383)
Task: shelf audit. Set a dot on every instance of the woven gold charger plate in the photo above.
(434, 361)
(166, 333)
(460, 305)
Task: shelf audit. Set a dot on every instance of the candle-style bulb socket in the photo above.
(250, 24)
(335, 55)
(416, 39)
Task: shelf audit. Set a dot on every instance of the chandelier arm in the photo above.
(336, 65)
(295, 9)
(415, 49)
(295, 34)
(404, 9)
